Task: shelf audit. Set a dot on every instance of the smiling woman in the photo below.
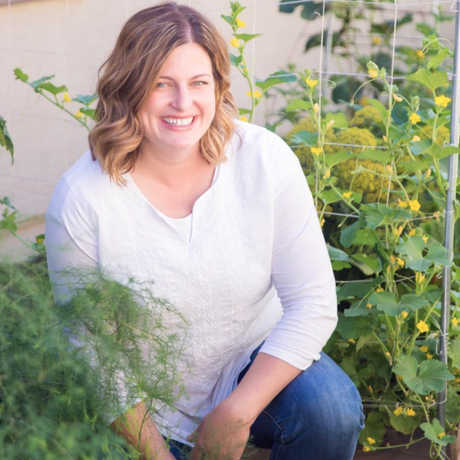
(218, 214)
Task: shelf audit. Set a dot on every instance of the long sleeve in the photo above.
(301, 269)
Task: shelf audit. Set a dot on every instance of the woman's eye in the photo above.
(161, 84)
(200, 83)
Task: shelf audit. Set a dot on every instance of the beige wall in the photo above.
(71, 39)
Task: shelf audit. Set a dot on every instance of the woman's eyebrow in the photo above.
(193, 78)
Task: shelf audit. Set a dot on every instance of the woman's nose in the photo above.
(182, 99)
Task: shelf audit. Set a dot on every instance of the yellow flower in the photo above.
(399, 230)
(371, 441)
(311, 83)
(240, 23)
(424, 348)
(412, 232)
(67, 98)
(428, 174)
(429, 356)
(422, 326)
(370, 389)
(398, 411)
(420, 54)
(78, 114)
(419, 278)
(402, 204)
(235, 42)
(39, 240)
(387, 353)
(256, 94)
(316, 107)
(368, 305)
(404, 314)
(425, 238)
(416, 139)
(352, 341)
(410, 412)
(397, 98)
(316, 150)
(454, 321)
(389, 169)
(414, 118)
(414, 205)
(376, 40)
(436, 215)
(373, 73)
(243, 118)
(330, 124)
(400, 262)
(441, 435)
(321, 222)
(366, 449)
(379, 290)
(327, 174)
(442, 101)
(347, 195)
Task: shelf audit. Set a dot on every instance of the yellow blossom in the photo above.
(404, 314)
(414, 205)
(39, 240)
(330, 124)
(420, 54)
(240, 22)
(243, 118)
(441, 435)
(399, 230)
(410, 412)
(419, 278)
(235, 42)
(454, 321)
(379, 290)
(424, 349)
(352, 341)
(422, 326)
(316, 150)
(397, 98)
(436, 215)
(67, 98)
(316, 107)
(389, 169)
(429, 356)
(327, 174)
(399, 377)
(400, 262)
(442, 100)
(398, 411)
(78, 114)
(368, 305)
(425, 238)
(412, 232)
(416, 139)
(311, 83)
(371, 441)
(414, 118)
(370, 389)
(387, 353)
(376, 40)
(366, 449)
(428, 174)
(347, 195)
(402, 204)
(457, 380)
(321, 222)
(373, 73)
(256, 94)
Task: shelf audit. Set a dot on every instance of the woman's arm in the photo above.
(138, 428)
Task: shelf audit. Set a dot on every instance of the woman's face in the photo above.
(182, 105)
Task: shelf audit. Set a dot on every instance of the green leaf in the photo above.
(338, 265)
(348, 365)
(430, 376)
(404, 424)
(47, 86)
(35, 84)
(91, 113)
(244, 111)
(359, 308)
(348, 234)
(373, 262)
(413, 302)
(304, 137)
(5, 139)
(338, 254)
(377, 214)
(85, 100)
(454, 352)
(433, 430)
(414, 166)
(353, 328)
(429, 79)
(235, 60)
(340, 120)
(383, 111)
(380, 156)
(298, 104)
(412, 248)
(366, 237)
(441, 152)
(275, 79)
(247, 37)
(373, 428)
(9, 221)
(362, 341)
(436, 60)
(437, 253)
(6, 201)
(229, 19)
(20, 75)
(330, 196)
(333, 159)
(357, 289)
(386, 302)
(418, 147)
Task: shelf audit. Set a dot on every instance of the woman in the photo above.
(218, 214)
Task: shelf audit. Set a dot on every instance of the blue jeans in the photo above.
(318, 416)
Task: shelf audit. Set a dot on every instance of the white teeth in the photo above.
(179, 121)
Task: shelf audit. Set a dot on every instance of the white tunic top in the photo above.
(252, 252)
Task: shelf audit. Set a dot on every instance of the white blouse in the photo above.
(249, 264)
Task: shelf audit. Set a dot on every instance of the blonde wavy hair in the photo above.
(127, 77)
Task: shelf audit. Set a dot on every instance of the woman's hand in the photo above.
(222, 435)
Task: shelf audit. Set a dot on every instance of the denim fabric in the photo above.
(318, 416)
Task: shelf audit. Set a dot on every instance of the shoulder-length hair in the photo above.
(128, 76)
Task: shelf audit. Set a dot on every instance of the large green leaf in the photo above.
(85, 100)
(340, 120)
(413, 302)
(298, 104)
(436, 60)
(338, 254)
(228, 19)
(429, 79)
(454, 352)
(20, 75)
(429, 376)
(404, 424)
(333, 159)
(349, 366)
(437, 253)
(386, 302)
(358, 289)
(5, 138)
(348, 234)
(353, 328)
(383, 111)
(435, 432)
(35, 84)
(330, 196)
(412, 250)
(414, 166)
(275, 79)
(373, 262)
(441, 152)
(304, 137)
(377, 214)
(359, 308)
(47, 86)
(235, 60)
(247, 37)
(381, 156)
(373, 428)
(418, 147)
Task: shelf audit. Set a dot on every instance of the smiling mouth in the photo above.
(178, 121)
